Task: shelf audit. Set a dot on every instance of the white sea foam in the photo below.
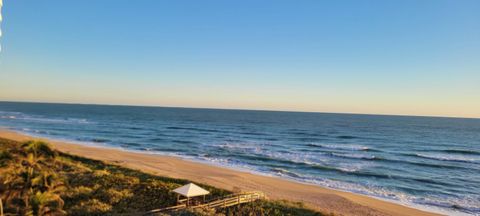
(242, 147)
(310, 159)
(356, 156)
(431, 203)
(8, 117)
(351, 147)
(449, 157)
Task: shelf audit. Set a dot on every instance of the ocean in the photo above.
(424, 162)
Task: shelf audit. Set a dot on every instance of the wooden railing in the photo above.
(168, 209)
(231, 200)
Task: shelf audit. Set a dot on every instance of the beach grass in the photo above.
(37, 180)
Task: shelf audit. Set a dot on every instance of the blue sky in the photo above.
(386, 57)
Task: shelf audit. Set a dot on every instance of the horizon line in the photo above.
(238, 109)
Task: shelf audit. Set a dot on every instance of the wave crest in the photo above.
(341, 147)
(445, 157)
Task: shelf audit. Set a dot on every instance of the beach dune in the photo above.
(326, 200)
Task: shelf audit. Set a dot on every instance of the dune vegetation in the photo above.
(37, 180)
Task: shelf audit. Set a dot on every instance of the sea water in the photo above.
(425, 162)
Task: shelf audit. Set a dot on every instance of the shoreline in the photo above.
(314, 196)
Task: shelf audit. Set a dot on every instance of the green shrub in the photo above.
(90, 207)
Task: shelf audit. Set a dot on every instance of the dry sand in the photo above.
(316, 197)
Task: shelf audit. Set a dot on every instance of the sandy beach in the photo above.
(316, 197)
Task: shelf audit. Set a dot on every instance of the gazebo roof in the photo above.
(191, 190)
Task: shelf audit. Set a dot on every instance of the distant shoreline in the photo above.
(327, 200)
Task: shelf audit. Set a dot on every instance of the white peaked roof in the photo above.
(191, 190)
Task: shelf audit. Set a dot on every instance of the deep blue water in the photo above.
(432, 162)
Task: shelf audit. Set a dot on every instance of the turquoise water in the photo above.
(419, 161)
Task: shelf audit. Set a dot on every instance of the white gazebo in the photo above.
(190, 190)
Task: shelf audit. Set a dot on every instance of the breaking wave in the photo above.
(445, 157)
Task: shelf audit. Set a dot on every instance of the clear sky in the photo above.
(418, 57)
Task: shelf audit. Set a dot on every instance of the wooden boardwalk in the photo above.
(231, 200)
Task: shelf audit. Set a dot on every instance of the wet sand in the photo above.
(326, 200)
